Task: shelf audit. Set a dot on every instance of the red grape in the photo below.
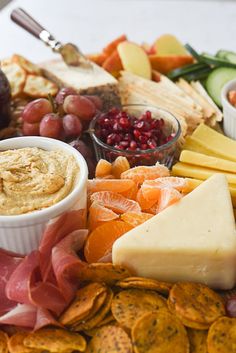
(63, 93)
(35, 110)
(96, 101)
(80, 106)
(51, 126)
(231, 306)
(30, 129)
(82, 148)
(72, 125)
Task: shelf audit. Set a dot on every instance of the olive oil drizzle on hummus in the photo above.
(32, 179)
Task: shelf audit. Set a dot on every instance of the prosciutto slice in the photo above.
(8, 263)
(23, 315)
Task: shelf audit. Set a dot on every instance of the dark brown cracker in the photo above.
(159, 332)
(195, 304)
(129, 305)
(222, 336)
(145, 283)
(103, 272)
(83, 303)
(110, 339)
(55, 341)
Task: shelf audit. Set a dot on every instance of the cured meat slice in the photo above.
(8, 263)
(44, 318)
(23, 315)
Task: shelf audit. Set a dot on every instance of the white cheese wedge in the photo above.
(192, 240)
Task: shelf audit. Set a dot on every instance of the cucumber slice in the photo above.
(216, 80)
(227, 55)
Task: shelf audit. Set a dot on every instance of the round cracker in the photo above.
(222, 336)
(159, 332)
(103, 272)
(16, 344)
(39, 87)
(3, 342)
(195, 304)
(145, 283)
(128, 305)
(55, 340)
(16, 77)
(95, 320)
(83, 303)
(197, 340)
(109, 339)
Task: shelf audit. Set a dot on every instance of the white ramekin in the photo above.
(229, 121)
(22, 233)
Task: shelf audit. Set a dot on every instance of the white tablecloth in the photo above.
(206, 25)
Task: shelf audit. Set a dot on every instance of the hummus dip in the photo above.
(32, 179)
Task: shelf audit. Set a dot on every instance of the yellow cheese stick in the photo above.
(215, 142)
(191, 144)
(193, 183)
(211, 162)
(192, 171)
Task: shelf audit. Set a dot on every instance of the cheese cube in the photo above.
(192, 240)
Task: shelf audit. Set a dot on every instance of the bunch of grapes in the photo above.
(64, 118)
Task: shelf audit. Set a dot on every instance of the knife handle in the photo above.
(24, 20)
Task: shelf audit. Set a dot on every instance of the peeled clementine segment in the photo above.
(143, 202)
(141, 173)
(135, 219)
(131, 193)
(116, 202)
(116, 185)
(154, 209)
(99, 214)
(103, 168)
(100, 241)
(168, 196)
(151, 188)
(120, 165)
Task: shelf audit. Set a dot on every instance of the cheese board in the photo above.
(139, 256)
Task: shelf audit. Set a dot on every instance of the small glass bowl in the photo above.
(163, 154)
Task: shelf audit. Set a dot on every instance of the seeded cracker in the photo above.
(197, 340)
(83, 303)
(16, 345)
(55, 341)
(129, 305)
(196, 305)
(110, 339)
(3, 342)
(145, 283)
(222, 336)
(103, 272)
(159, 332)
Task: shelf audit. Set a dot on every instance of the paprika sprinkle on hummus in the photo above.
(32, 179)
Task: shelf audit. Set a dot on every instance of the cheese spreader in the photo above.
(69, 52)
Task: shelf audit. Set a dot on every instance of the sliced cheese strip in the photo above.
(216, 142)
(193, 171)
(192, 240)
(203, 160)
(191, 144)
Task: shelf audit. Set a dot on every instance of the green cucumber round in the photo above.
(216, 80)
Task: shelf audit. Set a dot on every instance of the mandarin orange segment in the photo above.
(116, 202)
(119, 166)
(99, 214)
(135, 219)
(168, 196)
(154, 209)
(116, 185)
(142, 173)
(103, 168)
(100, 241)
(131, 193)
(143, 202)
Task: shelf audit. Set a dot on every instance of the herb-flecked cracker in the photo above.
(16, 344)
(159, 332)
(195, 304)
(145, 283)
(197, 340)
(3, 342)
(222, 336)
(110, 339)
(129, 305)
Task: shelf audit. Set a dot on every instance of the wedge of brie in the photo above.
(192, 240)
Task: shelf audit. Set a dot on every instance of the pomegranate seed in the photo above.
(133, 145)
(124, 122)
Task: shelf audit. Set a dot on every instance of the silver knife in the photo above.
(70, 53)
